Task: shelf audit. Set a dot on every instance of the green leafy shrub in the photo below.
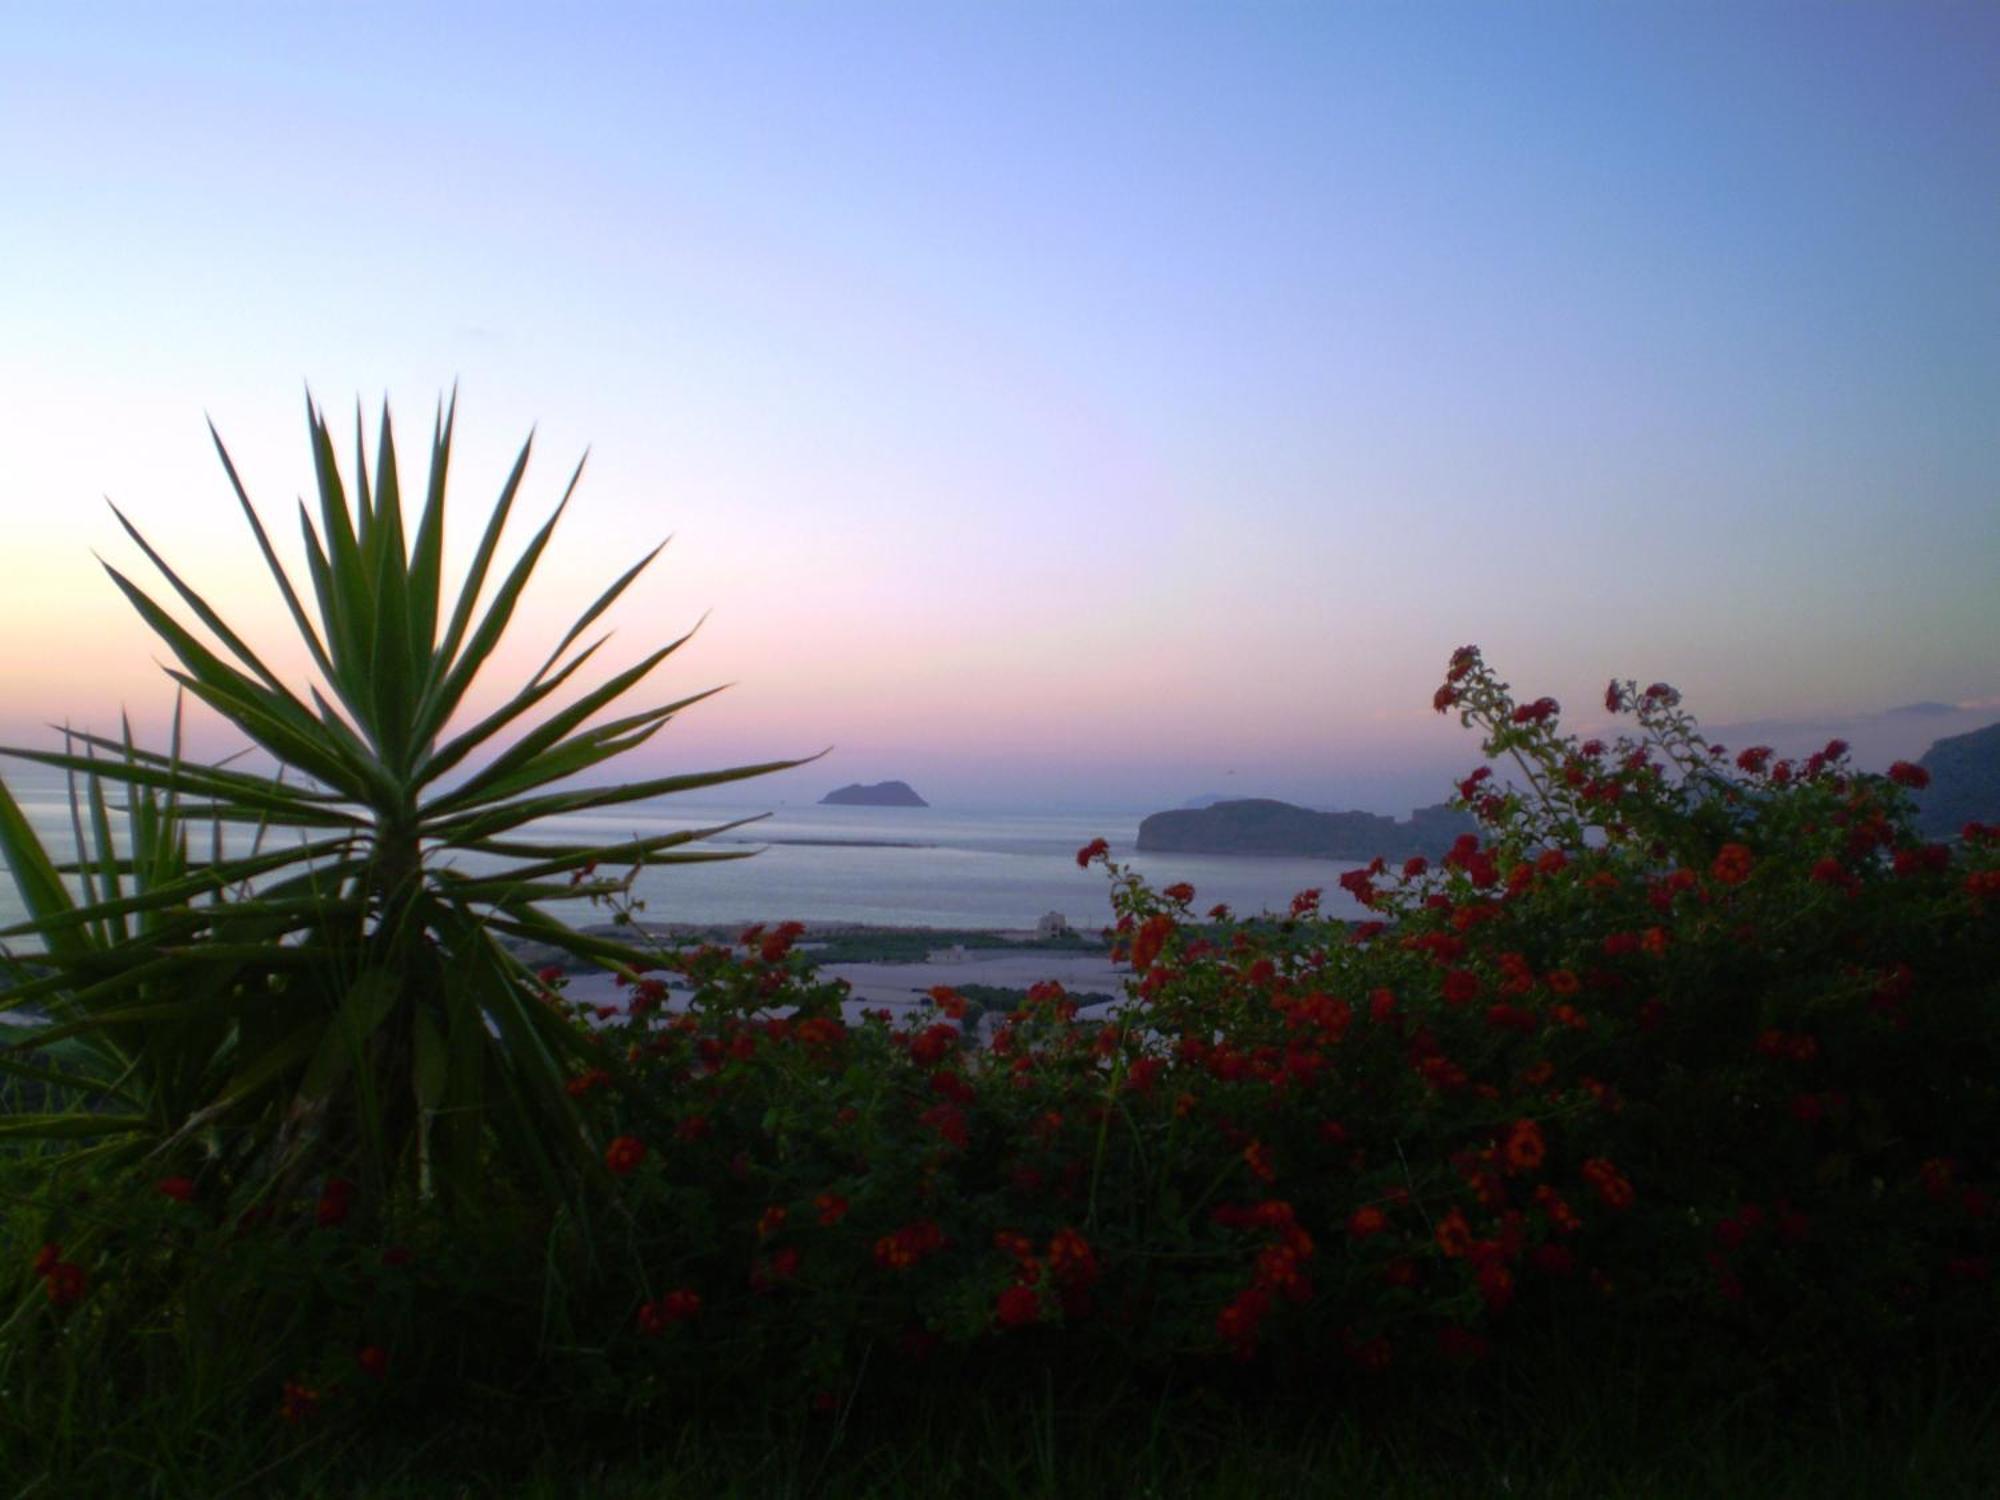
(1686, 1049)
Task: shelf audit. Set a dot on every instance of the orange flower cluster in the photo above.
(909, 1245)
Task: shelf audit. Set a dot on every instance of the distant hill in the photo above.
(881, 794)
(1873, 739)
(1260, 825)
(1965, 783)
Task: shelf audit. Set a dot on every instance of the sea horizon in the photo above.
(948, 867)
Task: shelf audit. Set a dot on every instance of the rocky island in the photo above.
(1262, 825)
(881, 794)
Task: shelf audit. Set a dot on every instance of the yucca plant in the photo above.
(132, 896)
(344, 998)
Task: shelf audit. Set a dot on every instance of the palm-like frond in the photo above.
(346, 994)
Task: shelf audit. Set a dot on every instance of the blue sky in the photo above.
(1056, 400)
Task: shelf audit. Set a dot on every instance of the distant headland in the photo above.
(881, 794)
(1261, 825)
(1965, 782)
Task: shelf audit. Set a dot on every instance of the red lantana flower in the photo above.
(1018, 1307)
(336, 1200)
(1238, 1323)
(1610, 1183)
(1523, 1148)
(1257, 1157)
(1151, 938)
(65, 1283)
(778, 943)
(908, 1245)
(933, 1045)
(624, 1155)
(1733, 864)
(1915, 777)
(300, 1403)
(1071, 1260)
(1454, 1235)
(681, 1305)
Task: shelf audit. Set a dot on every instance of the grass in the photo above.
(1547, 1426)
(1020, 1446)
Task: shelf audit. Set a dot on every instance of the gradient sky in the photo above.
(1099, 401)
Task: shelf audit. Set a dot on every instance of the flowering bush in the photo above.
(1699, 1044)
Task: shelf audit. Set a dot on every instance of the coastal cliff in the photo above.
(881, 794)
(1965, 783)
(1261, 825)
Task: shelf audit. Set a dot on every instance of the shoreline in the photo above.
(829, 843)
(821, 931)
(888, 967)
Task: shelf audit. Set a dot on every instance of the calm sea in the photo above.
(920, 867)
